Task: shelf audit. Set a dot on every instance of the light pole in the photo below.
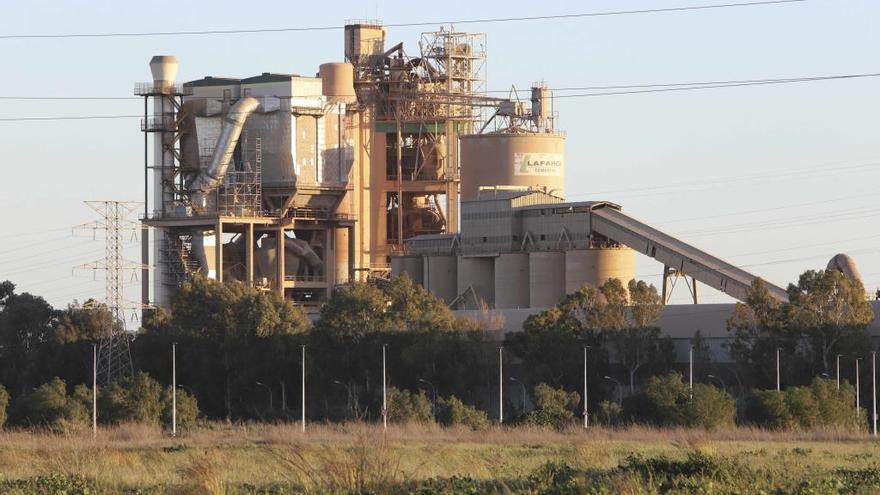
(174, 389)
(691, 371)
(500, 385)
(270, 392)
(94, 391)
(723, 385)
(384, 392)
(874, 392)
(304, 389)
(778, 386)
(433, 396)
(619, 388)
(837, 372)
(586, 409)
(523, 401)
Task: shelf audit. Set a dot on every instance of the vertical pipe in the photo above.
(399, 182)
(500, 385)
(145, 230)
(858, 404)
(94, 391)
(384, 392)
(304, 389)
(279, 260)
(174, 389)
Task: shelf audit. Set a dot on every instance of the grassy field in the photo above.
(425, 460)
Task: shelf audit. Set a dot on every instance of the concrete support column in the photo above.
(351, 254)
(279, 261)
(249, 253)
(218, 251)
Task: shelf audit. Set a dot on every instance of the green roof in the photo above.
(212, 81)
(268, 77)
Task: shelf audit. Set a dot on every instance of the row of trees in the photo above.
(230, 337)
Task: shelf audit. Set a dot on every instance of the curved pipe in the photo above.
(211, 176)
(301, 249)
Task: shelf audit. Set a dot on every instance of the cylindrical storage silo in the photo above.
(503, 159)
(337, 82)
(440, 276)
(512, 281)
(546, 278)
(596, 266)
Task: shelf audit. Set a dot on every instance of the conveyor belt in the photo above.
(676, 254)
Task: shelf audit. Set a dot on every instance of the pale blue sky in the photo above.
(784, 150)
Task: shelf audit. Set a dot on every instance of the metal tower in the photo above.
(114, 355)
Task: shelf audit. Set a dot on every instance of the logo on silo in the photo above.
(542, 164)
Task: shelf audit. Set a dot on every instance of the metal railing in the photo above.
(158, 89)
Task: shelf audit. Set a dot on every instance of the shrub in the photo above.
(187, 408)
(710, 408)
(137, 400)
(837, 408)
(454, 412)
(609, 413)
(661, 401)
(768, 408)
(4, 404)
(404, 406)
(50, 406)
(802, 407)
(554, 406)
(820, 404)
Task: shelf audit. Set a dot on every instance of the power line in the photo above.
(488, 20)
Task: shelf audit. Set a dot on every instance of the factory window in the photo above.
(485, 239)
(543, 237)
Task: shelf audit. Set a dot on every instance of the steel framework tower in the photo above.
(114, 355)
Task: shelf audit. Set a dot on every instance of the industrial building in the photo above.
(389, 162)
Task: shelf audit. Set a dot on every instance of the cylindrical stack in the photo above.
(528, 160)
(164, 71)
(596, 266)
(337, 82)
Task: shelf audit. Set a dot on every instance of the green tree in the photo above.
(230, 315)
(661, 401)
(355, 310)
(453, 412)
(89, 321)
(26, 325)
(412, 307)
(832, 310)
(407, 407)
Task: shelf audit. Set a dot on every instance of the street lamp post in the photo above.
(586, 409)
(837, 371)
(433, 396)
(874, 392)
(500, 385)
(304, 389)
(270, 393)
(523, 401)
(384, 392)
(778, 385)
(619, 388)
(174, 389)
(94, 391)
(691, 371)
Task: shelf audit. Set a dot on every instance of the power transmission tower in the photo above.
(114, 354)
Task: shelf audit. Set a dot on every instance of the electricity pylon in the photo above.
(114, 354)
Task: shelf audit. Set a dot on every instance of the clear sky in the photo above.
(776, 178)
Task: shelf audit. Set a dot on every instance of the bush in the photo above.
(767, 408)
(50, 406)
(454, 412)
(187, 408)
(4, 405)
(405, 407)
(710, 408)
(609, 413)
(554, 406)
(137, 400)
(820, 404)
(666, 401)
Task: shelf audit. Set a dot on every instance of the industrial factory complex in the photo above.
(395, 160)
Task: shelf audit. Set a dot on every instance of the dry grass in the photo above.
(353, 457)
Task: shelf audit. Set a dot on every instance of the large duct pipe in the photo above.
(211, 176)
(301, 249)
